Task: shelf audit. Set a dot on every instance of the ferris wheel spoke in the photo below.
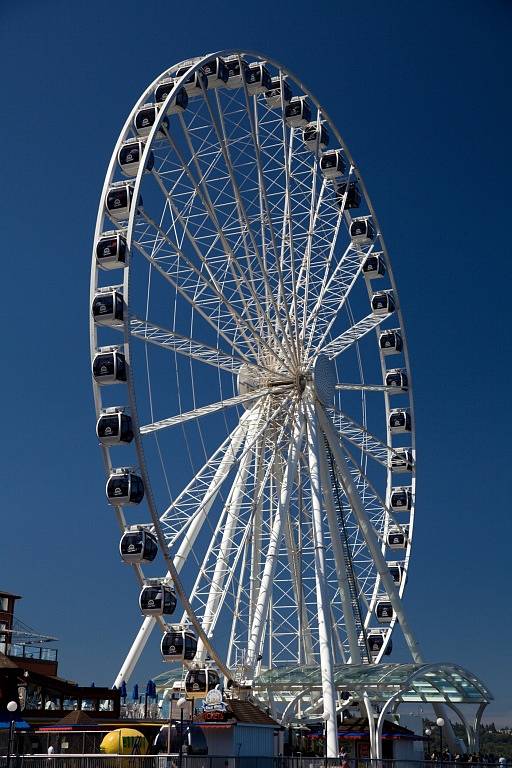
(305, 268)
(329, 277)
(194, 503)
(369, 388)
(287, 233)
(362, 438)
(226, 531)
(244, 229)
(370, 536)
(353, 335)
(243, 325)
(218, 123)
(201, 190)
(205, 410)
(348, 600)
(332, 300)
(373, 501)
(265, 211)
(184, 345)
(231, 535)
(322, 599)
(262, 604)
(192, 300)
(304, 637)
(207, 277)
(266, 215)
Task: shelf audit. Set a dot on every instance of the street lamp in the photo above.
(440, 723)
(12, 706)
(181, 703)
(428, 734)
(325, 717)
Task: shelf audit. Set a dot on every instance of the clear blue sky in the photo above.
(421, 93)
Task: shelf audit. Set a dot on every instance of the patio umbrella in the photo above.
(135, 693)
(123, 691)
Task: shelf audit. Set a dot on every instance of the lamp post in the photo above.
(12, 706)
(440, 723)
(181, 705)
(428, 734)
(325, 717)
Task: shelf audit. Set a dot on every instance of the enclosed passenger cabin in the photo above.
(332, 165)
(108, 307)
(384, 611)
(199, 681)
(401, 499)
(397, 572)
(157, 600)
(237, 71)
(257, 78)
(178, 645)
(402, 461)
(111, 251)
(298, 112)
(109, 366)
(124, 487)
(119, 199)
(353, 196)
(138, 546)
(400, 421)
(146, 117)
(362, 231)
(180, 101)
(114, 427)
(195, 83)
(390, 342)
(129, 157)
(315, 138)
(397, 537)
(273, 97)
(373, 266)
(383, 303)
(375, 643)
(216, 71)
(396, 380)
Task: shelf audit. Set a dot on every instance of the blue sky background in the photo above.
(421, 94)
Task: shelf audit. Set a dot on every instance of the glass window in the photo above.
(69, 703)
(106, 705)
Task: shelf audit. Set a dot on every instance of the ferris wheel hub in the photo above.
(324, 379)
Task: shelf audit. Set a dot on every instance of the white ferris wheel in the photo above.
(251, 380)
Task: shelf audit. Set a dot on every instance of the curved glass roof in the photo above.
(416, 682)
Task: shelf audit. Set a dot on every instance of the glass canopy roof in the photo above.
(417, 682)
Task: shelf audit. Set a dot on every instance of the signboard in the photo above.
(215, 715)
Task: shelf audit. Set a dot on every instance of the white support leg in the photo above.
(135, 651)
(322, 600)
(149, 622)
(341, 566)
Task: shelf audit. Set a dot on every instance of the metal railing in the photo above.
(213, 761)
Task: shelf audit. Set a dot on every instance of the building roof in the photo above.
(9, 594)
(247, 712)
(413, 682)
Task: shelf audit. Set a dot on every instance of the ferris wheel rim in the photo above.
(127, 336)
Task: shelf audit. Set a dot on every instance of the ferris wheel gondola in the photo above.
(250, 337)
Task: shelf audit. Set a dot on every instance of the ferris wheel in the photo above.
(251, 379)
